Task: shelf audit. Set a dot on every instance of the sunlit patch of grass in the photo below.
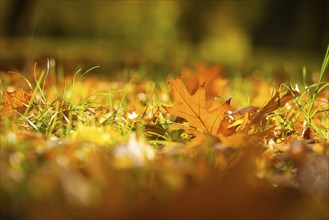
(57, 110)
(314, 105)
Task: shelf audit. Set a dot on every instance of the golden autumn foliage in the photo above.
(147, 150)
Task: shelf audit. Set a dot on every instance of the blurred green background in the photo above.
(116, 34)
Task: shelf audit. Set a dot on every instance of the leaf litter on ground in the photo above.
(116, 149)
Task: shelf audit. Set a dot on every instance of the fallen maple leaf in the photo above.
(212, 74)
(206, 116)
(15, 100)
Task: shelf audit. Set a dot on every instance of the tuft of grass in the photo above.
(57, 110)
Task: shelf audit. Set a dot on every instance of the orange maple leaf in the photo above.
(16, 100)
(206, 116)
(216, 83)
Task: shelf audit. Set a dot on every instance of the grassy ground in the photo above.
(81, 146)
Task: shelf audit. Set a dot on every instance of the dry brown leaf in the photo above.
(195, 109)
(275, 103)
(308, 133)
(16, 100)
